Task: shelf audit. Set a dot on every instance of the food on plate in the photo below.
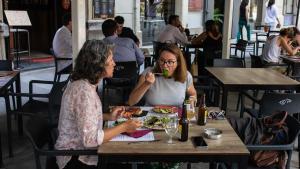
(155, 122)
(133, 110)
(164, 109)
(118, 122)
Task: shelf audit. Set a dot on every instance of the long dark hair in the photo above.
(90, 61)
(244, 3)
(271, 2)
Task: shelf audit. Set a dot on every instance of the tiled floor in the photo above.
(23, 154)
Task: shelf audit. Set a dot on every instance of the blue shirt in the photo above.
(125, 50)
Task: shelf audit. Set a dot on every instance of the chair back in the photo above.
(6, 65)
(270, 33)
(156, 49)
(241, 45)
(228, 63)
(55, 59)
(272, 102)
(256, 61)
(55, 97)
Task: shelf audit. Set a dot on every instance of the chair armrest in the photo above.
(29, 95)
(270, 147)
(38, 82)
(67, 152)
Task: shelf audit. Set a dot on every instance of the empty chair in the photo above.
(57, 61)
(124, 78)
(239, 50)
(261, 37)
(41, 134)
(228, 63)
(256, 61)
(156, 48)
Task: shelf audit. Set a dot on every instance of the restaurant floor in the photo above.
(23, 154)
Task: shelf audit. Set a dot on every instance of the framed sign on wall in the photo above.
(195, 5)
(103, 9)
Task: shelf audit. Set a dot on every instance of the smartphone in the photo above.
(199, 142)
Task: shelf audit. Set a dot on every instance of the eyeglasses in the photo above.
(168, 62)
(217, 115)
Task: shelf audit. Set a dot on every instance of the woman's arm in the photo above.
(199, 39)
(287, 47)
(141, 88)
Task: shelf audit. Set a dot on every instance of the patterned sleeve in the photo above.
(88, 118)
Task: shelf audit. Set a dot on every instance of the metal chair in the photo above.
(124, 78)
(240, 47)
(261, 37)
(65, 71)
(42, 134)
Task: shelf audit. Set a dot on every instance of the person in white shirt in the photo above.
(274, 45)
(271, 18)
(173, 32)
(62, 43)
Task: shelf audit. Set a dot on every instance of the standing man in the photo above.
(173, 32)
(125, 49)
(62, 44)
(125, 31)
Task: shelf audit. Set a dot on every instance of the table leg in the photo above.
(224, 99)
(243, 162)
(1, 158)
(19, 104)
(8, 121)
(102, 163)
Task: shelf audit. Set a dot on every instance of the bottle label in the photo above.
(179, 131)
(205, 116)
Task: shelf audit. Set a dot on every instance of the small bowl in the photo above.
(213, 133)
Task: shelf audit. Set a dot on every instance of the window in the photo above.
(289, 6)
(103, 9)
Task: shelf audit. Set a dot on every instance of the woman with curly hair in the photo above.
(81, 118)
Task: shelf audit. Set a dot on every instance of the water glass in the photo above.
(171, 127)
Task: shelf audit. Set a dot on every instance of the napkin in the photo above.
(138, 133)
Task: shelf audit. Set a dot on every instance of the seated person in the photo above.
(173, 32)
(81, 118)
(272, 49)
(170, 90)
(211, 40)
(125, 32)
(62, 44)
(125, 49)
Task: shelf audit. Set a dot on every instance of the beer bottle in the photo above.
(184, 124)
(202, 112)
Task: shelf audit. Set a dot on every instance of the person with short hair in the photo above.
(125, 49)
(81, 119)
(173, 32)
(62, 44)
(125, 32)
(169, 89)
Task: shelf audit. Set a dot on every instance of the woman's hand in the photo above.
(117, 112)
(149, 78)
(131, 125)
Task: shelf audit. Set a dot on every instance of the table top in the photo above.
(6, 77)
(251, 76)
(222, 146)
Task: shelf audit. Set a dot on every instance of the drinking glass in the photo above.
(190, 112)
(171, 127)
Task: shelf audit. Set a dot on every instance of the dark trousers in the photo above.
(75, 163)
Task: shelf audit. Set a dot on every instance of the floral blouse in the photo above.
(80, 121)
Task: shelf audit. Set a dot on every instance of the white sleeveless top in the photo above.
(271, 51)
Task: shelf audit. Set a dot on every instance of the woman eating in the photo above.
(81, 118)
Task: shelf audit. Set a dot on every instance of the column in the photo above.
(227, 27)
(2, 43)
(78, 26)
(181, 9)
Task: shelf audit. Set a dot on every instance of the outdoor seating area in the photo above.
(150, 84)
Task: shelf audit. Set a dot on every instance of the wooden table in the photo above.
(7, 78)
(293, 63)
(229, 148)
(238, 79)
